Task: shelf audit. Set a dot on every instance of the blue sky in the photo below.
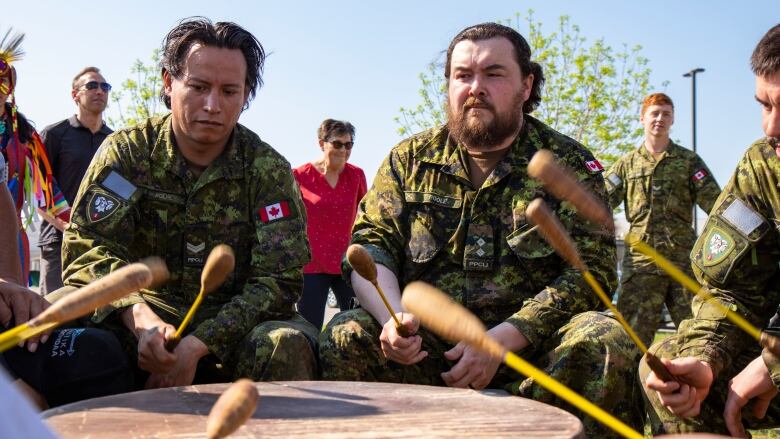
(359, 61)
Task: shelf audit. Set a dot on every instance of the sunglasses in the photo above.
(93, 85)
(338, 145)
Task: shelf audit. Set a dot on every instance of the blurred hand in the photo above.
(402, 350)
(17, 306)
(752, 383)
(152, 355)
(474, 368)
(188, 352)
(682, 399)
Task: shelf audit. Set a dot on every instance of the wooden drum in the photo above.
(318, 409)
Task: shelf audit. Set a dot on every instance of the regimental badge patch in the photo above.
(594, 166)
(101, 206)
(274, 212)
(717, 245)
(698, 175)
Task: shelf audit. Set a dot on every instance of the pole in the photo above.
(692, 75)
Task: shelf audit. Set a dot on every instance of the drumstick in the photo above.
(219, 265)
(101, 292)
(554, 233)
(561, 183)
(232, 409)
(765, 339)
(364, 265)
(454, 322)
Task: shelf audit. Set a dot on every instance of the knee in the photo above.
(345, 329)
(277, 351)
(593, 333)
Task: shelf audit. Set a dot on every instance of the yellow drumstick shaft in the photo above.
(189, 316)
(13, 337)
(387, 304)
(603, 296)
(682, 278)
(570, 396)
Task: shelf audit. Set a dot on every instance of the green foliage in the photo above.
(592, 92)
(138, 98)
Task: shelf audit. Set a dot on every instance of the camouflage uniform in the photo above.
(736, 257)
(659, 197)
(424, 220)
(139, 198)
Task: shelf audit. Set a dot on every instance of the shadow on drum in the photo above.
(326, 393)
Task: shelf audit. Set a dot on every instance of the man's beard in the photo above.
(477, 134)
(774, 142)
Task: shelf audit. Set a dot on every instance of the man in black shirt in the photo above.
(70, 145)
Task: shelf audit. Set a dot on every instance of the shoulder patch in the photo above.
(274, 212)
(594, 166)
(742, 217)
(101, 206)
(717, 245)
(700, 174)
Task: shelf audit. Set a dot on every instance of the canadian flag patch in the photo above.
(698, 175)
(274, 212)
(594, 166)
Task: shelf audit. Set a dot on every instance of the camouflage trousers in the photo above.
(642, 296)
(591, 354)
(710, 419)
(275, 350)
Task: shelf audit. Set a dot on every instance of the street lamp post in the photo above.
(692, 75)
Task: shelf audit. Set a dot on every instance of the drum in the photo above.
(318, 409)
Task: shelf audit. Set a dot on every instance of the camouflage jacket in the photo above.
(424, 220)
(736, 258)
(139, 198)
(659, 197)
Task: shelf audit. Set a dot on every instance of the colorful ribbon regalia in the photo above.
(30, 178)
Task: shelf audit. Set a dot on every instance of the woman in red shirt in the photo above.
(331, 189)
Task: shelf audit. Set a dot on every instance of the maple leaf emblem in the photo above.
(274, 211)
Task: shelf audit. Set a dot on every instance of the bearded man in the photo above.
(448, 207)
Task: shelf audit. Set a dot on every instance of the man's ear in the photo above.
(167, 82)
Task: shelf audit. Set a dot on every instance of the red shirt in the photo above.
(330, 214)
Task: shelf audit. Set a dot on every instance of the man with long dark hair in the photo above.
(179, 185)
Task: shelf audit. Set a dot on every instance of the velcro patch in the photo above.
(101, 206)
(614, 180)
(594, 165)
(698, 175)
(742, 217)
(274, 212)
(119, 185)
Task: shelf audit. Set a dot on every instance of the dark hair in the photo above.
(486, 31)
(224, 35)
(83, 72)
(25, 127)
(330, 127)
(766, 56)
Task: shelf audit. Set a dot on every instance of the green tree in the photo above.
(138, 97)
(592, 92)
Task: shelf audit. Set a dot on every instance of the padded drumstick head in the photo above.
(450, 320)
(232, 409)
(219, 265)
(561, 183)
(105, 290)
(362, 262)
